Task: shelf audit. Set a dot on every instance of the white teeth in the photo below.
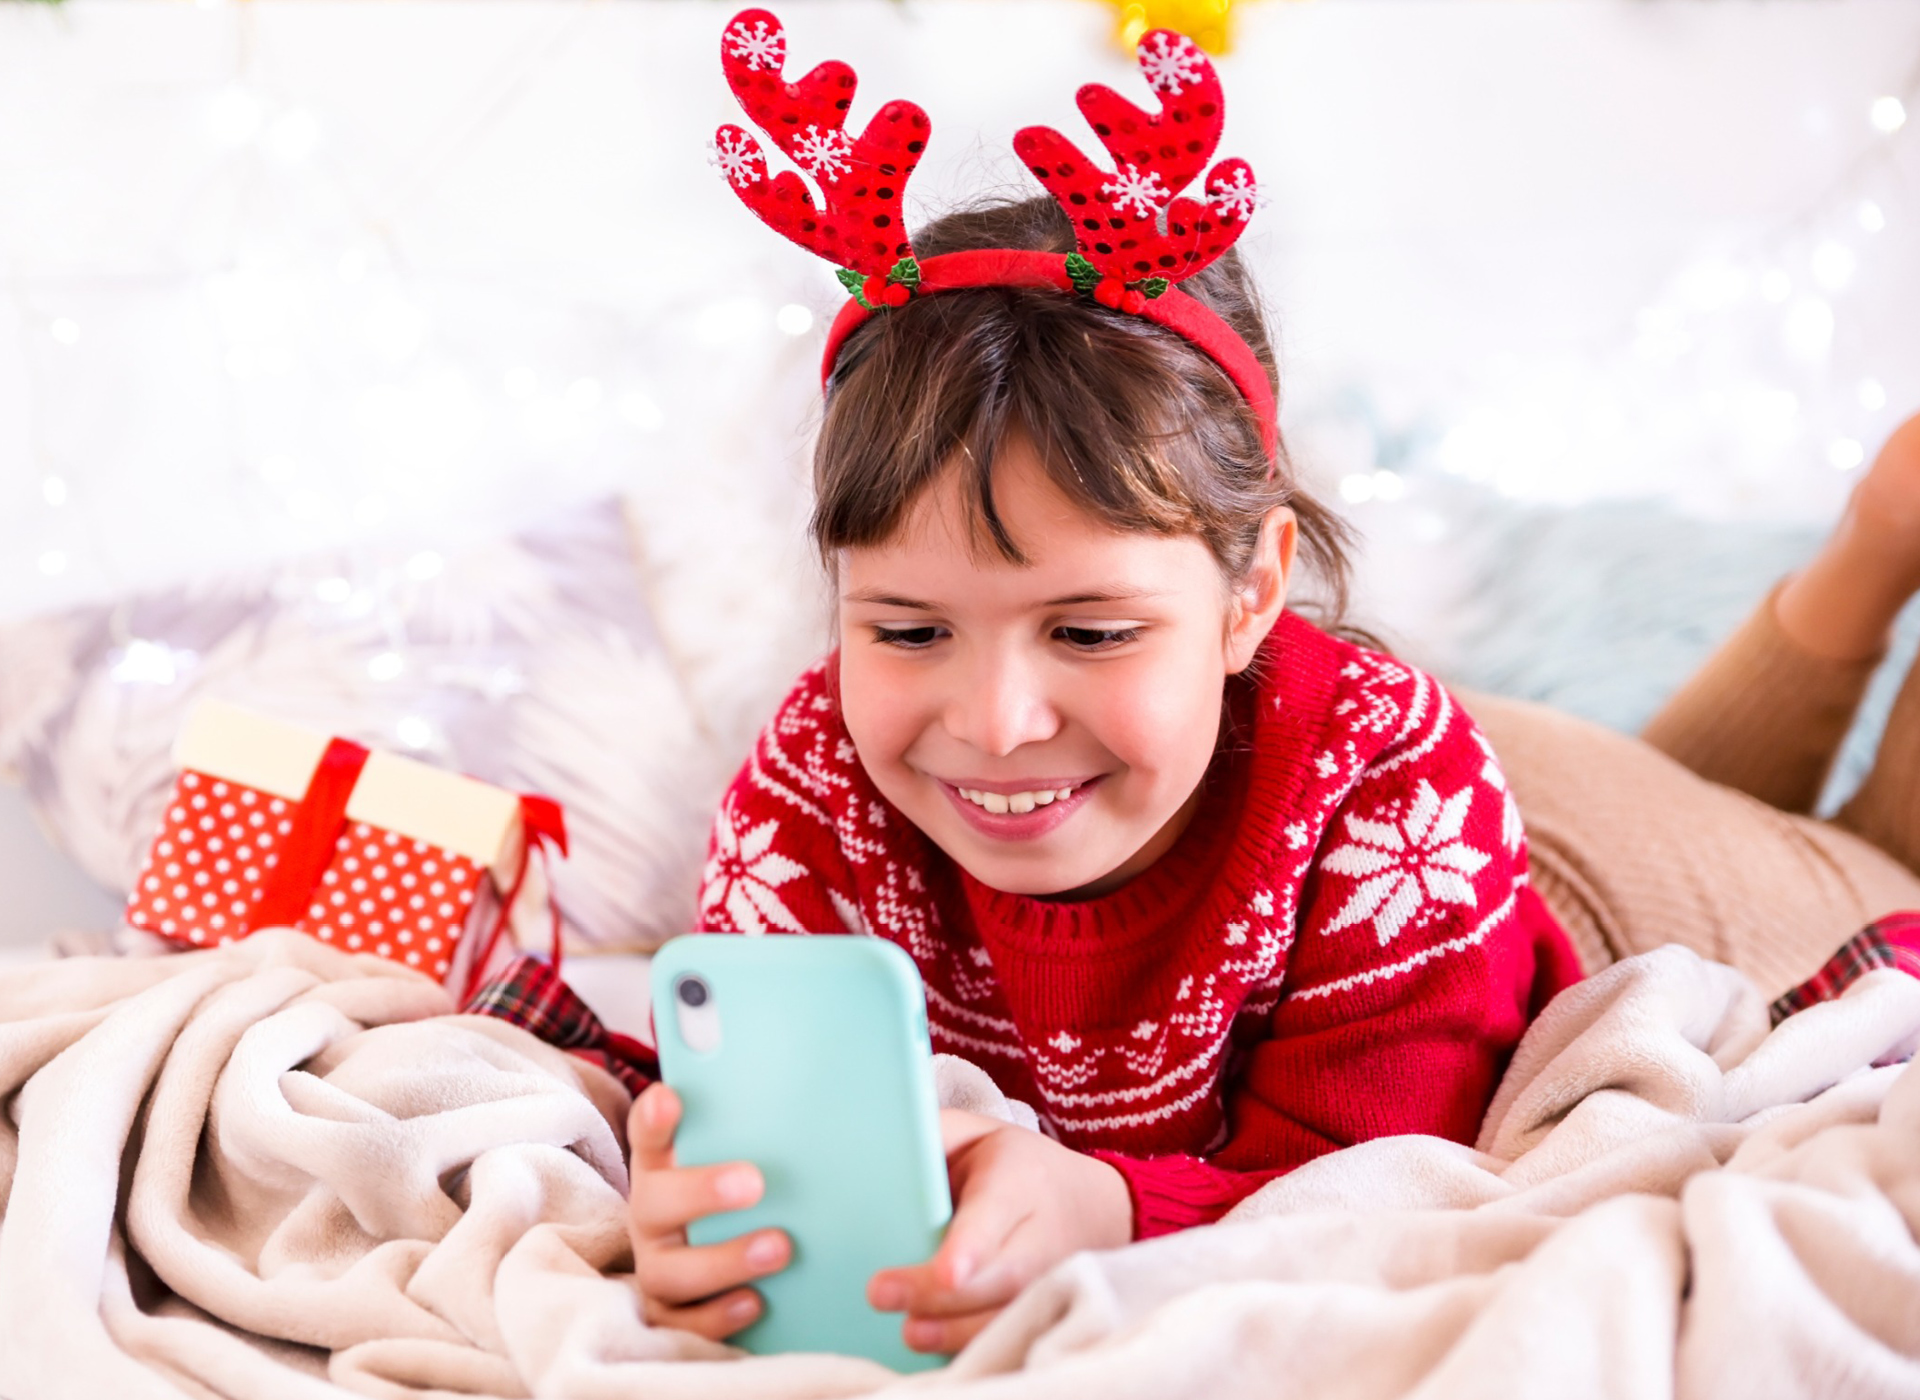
(1019, 803)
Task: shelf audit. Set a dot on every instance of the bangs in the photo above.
(1133, 425)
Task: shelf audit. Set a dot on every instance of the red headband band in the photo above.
(1137, 234)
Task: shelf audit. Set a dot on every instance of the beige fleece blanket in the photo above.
(277, 1171)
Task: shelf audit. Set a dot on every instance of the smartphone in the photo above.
(808, 1056)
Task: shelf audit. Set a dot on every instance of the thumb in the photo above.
(960, 1129)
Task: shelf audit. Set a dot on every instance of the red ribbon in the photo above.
(543, 823)
(287, 892)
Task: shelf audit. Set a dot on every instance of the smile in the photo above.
(1023, 815)
(1019, 803)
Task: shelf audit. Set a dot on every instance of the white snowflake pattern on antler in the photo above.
(1236, 198)
(759, 46)
(736, 157)
(1407, 863)
(1136, 191)
(1170, 62)
(825, 155)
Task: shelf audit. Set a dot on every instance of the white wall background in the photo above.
(279, 274)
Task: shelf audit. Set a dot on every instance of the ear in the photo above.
(1257, 600)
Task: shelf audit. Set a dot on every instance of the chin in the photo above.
(1040, 878)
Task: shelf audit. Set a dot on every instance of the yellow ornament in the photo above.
(1206, 22)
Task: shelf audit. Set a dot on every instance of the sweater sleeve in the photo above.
(774, 859)
(1419, 957)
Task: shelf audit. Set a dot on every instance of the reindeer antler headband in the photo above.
(1137, 234)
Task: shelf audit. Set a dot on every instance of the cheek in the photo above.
(1160, 721)
(880, 701)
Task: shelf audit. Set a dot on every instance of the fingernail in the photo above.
(765, 1251)
(739, 1187)
(962, 1269)
(890, 1296)
(743, 1309)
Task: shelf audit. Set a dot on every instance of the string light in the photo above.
(333, 590)
(1808, 329)
(386, 666)
(53, 562)
(65, 331)
(1872, 395)
(414, 732)
(1833, 265)
(143, 662)
(640, 410)
(794, 319)
(1888, 114)
(1775, 285)
(1870, 216)
(1845, 454)
(54, 491)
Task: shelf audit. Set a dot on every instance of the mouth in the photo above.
(1006, 812)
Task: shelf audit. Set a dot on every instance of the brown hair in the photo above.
(1134, 424)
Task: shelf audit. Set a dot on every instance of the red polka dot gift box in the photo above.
(275, 825)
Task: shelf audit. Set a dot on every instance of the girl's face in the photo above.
(1047, 724)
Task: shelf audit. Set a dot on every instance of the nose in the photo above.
(1001, 701)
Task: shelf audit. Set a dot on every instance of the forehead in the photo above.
(942, 551)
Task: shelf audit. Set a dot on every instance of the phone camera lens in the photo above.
(692, 991)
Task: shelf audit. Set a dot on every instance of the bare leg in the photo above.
(1766, 713)
(1842, 605)
(1886, 516)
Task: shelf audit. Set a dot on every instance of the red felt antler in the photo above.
(861, 181)
(1129, 223)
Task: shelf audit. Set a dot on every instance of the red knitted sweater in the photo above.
(1342, 945)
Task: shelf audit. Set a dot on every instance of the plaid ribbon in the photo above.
(529, 994)
(1891, 942)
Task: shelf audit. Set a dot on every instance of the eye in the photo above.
(1095, 638)
(907, 638)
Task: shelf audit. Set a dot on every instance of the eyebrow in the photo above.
(1098, 595)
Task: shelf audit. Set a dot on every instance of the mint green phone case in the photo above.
(823, 1078)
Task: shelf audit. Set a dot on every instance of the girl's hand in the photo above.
(1022, 1203)
(696, 1288)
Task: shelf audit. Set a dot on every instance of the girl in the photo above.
(1214, 889)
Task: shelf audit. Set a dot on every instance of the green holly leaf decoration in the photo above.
(855, 284)
(906, 272)
(1153, 287)
(1084, 274)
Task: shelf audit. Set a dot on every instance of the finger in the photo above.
(966, 1273)
(945, 1335)
(667, 1200)
(716, 1318)
(650, 1124)
(960, 1129)
(681, 1274)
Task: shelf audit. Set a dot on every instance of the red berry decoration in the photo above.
(1134, 302)
(1111, 292)
(874, 289)
(898, 294)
